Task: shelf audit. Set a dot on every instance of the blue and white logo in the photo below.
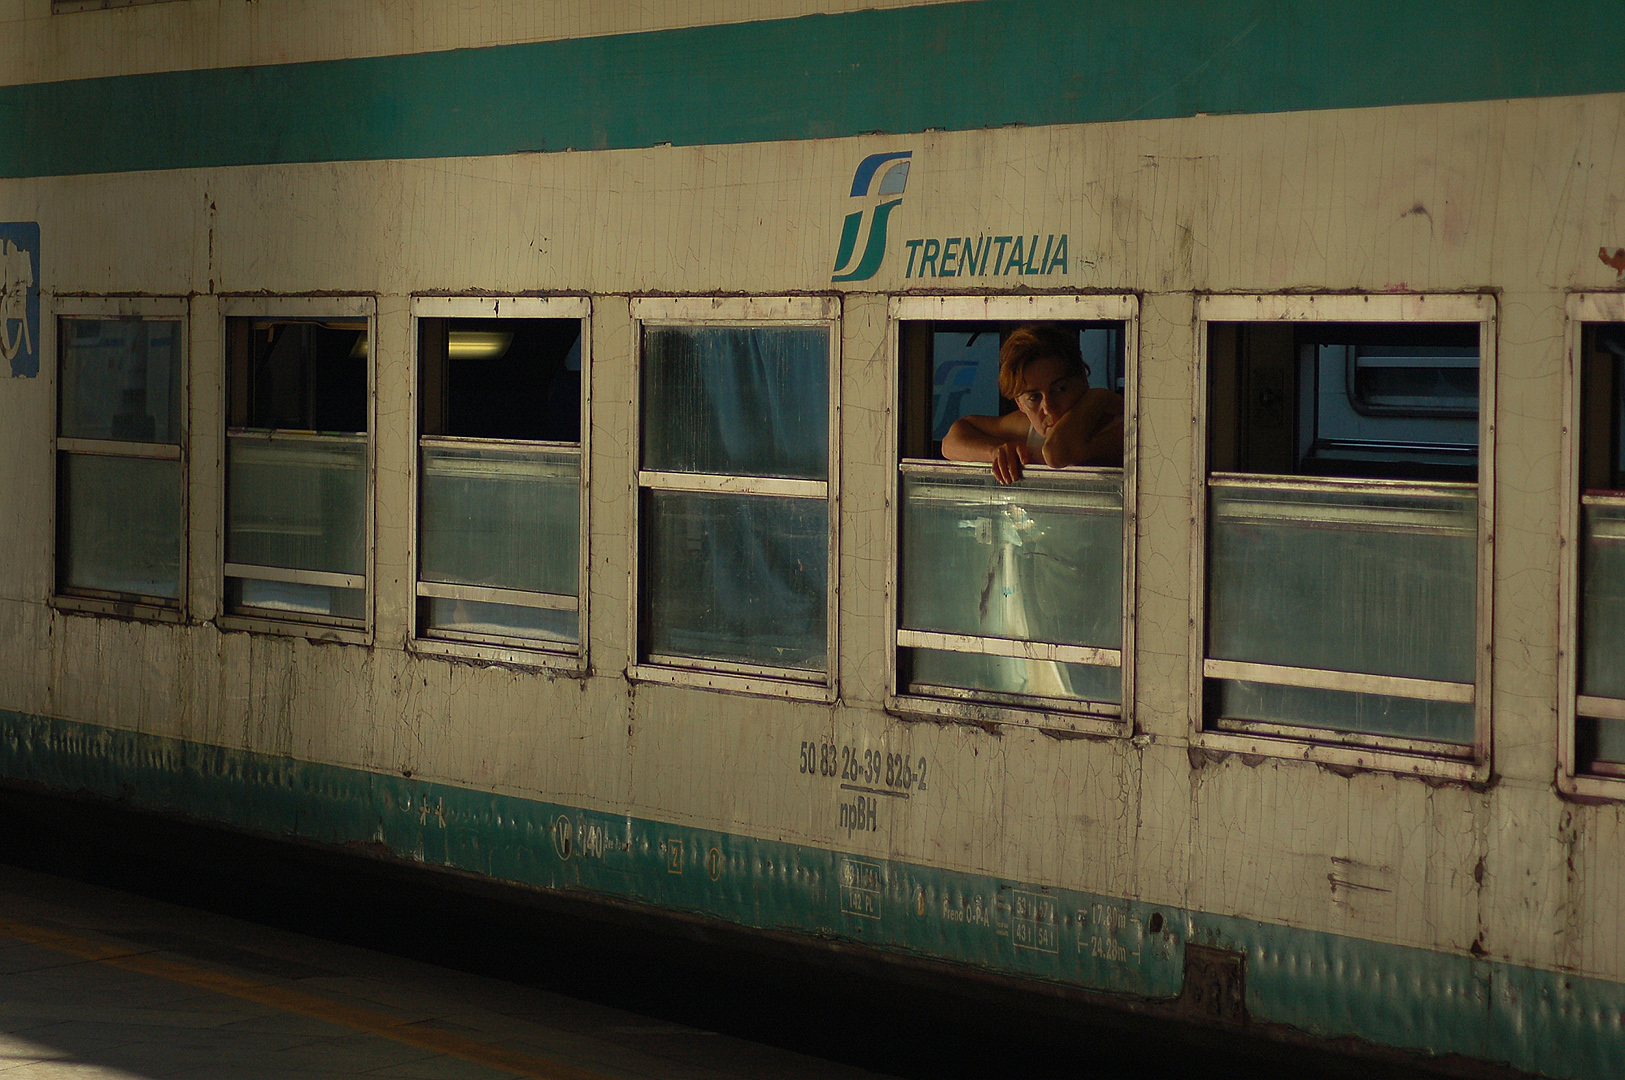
(878, 194)
(19, 297)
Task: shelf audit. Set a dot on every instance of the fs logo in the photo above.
(19, 296)
(892, 182)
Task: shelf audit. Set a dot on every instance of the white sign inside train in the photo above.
(879, 183)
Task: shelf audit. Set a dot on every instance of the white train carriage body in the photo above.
(514, 440)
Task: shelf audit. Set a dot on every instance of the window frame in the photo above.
(1084, 307)
(1582, 308)
(572, 661)
(740, 311)
(143, 308)
(354, 306)
(1329, 746)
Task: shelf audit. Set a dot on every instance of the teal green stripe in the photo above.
(953, 66)
(1325, 984)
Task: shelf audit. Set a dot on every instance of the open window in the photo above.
(500, 552)
(1593, 744)
(736, 422)
(298, 505)
(1346, 556)
(1008, 600)
(121, 469)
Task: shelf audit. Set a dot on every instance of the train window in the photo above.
(499, 512)
(1344, 559)
(1009, 597)
(120, 466)
(735, 422)
(1599, 722)
(297, 495)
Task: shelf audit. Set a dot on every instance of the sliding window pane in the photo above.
(1602, 602)
(743, 401)
(121, 525)
(508, 519)
(297, 502)
(1037, 561)
(501, 620)
(1381, 583)
(294, 599)
(929, 669)
(1341, 710)
(736, 578)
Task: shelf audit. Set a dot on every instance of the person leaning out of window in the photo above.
(1059, 419)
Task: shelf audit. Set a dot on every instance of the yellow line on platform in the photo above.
(294, 1001)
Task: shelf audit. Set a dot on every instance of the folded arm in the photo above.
(999, 440)
(1091, 433)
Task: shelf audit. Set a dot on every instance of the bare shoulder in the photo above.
(1099, 403)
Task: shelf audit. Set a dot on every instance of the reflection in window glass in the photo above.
(501, 620)
(509, 519)
(298, 502)
(121, 380)
(737, 578)
(1341, 710)
(1344, 581)
(119, 471)
(1011, 679)
(121, 525)
(736, 400)
(1038, 561)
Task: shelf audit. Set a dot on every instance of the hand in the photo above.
(1008, 458)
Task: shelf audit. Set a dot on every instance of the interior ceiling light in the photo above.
(477, 344)
(460, 345)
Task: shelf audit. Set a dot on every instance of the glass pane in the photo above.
(1011, 675)
(1598, 739)
(1339, 710)
(1344, 581)
(736, 578)
(121, 379)
(510, 519)
(287, 597)
(745, 401)
(121, 525)
(1602, 602)
(297, 501)
(1041, 560)
(500, 620)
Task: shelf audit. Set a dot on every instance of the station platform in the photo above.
(96, 983)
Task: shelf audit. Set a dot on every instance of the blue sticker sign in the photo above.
(19, 297)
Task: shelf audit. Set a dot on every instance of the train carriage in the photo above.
(512, 440)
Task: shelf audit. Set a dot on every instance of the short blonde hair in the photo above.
(1032, 342)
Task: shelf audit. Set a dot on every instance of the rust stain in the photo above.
(1616, 261)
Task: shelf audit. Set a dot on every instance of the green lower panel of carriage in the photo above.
(1327, 985)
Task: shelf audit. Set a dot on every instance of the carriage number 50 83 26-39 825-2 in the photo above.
(899, 772)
